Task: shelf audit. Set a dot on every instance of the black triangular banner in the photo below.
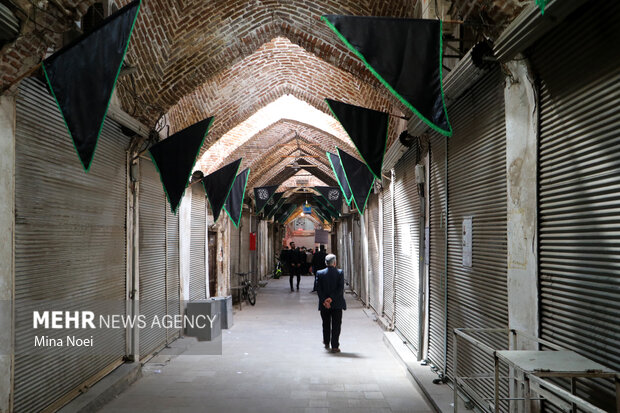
(334, 161)
(324, 206)
(286, 212)
(276, 207)
(367, 128)
(360, 179)
(331, 194)
(93, 59)
(175, 157)
(262, 195)
(218, 185)
(234, 202)
(405, 55)
(271, 204)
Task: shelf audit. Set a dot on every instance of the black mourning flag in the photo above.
(367, 128)
(82, 76)
(234, 202)
(286, 212)
(219, 184)
(360, 179)
(271, 204)
(175, 157)
(276, 208)
(325, 207)
(331, 194)
(405, 55)
(263, 195)
(334, 161)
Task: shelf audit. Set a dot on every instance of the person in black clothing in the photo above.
(284, 257)
(296, 259)
(318, 263)
(331, 302)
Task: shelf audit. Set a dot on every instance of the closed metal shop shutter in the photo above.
(152, 210)
(388, 253)
(69, 246)
(373, 253)
(198, 272)
(406, 248)
(173, 280)
(437, 254)
(477, 295)
(579, 196)
(358, 276)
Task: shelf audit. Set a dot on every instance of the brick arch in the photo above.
(284, 131)
(277, 68)
(271, 167)
(179, 44)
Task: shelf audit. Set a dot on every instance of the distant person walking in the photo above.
(296, 259)
(318, 263)
(331, 302)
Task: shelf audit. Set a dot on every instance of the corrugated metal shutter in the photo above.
(406, 248)
(373, 253)
(437, 253)
(579, 199)
(477, 296)
(360, 277)
(198, 271)
(69, 244)
(152, 256)
(173, 278)
(388, 253)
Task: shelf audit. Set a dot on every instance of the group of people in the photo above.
(299, 261)
(328, 283)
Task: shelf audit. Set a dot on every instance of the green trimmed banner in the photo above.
(82, 77)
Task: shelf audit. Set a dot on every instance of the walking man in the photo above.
(318, 263)
(296, 260)
(330, 287)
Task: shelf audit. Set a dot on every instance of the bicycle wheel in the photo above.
(251, 296)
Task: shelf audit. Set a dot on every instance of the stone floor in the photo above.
(273, 361)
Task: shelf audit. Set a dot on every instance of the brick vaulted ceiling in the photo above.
(231, 59)
(234, 59)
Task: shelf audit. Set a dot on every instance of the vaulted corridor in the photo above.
(160, 160)
(273, 361)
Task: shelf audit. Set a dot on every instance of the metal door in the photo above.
(374, 272)
(197, 265)
(388, 252)
(152, 257)
(477, 294)
(579, 200)
(70, 246)
(406, 249)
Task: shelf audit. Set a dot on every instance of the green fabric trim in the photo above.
(367, 196)
(325, 204)
(118, 72)
(236, 224)
(356, 148)
(391, 89)
(541, 5)
(174, 211)
(348, 201)
(275, 209)
(227, 193)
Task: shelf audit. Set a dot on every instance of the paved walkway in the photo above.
(273, 361)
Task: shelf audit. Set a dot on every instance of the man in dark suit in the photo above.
(330, 288)
(296, 258)
(318, 263)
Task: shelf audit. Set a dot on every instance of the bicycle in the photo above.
(248, 291)
(277, 273)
